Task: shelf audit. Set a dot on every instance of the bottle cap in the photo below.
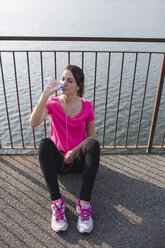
(62, 87)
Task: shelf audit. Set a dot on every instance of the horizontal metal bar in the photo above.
(18, 147)
(130, 147)
(80, 51)
(102, 147)
(96, 39)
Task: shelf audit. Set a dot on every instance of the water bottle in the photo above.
(48, 80)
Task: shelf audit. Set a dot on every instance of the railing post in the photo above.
(156, 107)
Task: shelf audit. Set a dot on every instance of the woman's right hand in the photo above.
(53, 86)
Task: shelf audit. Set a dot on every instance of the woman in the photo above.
(72, 146)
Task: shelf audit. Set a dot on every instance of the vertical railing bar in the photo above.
(30, 93)
(42, 78)
(156, 106)
(106, 99)
(142, 107)
(95, 75)
(82, 61)
(130, 106)
(68, 57)
(17, 91)
(6, 104)
(117, 115)
(55, 64)
(163, 140)
(42, 74)
(55, 69)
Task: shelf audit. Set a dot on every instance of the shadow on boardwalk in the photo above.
(128, 197)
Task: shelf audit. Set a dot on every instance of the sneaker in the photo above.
(85, 222)
(59, 222)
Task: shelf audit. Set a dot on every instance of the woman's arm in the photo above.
(70, 155)
(39, 113)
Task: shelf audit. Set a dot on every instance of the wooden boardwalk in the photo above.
(128, 199)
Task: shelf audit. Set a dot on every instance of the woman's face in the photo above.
(69, 83)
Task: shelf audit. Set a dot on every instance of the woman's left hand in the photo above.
(69, 157)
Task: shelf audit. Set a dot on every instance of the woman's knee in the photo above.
(44, 145)
(92, 153)
(93, 144)
(92, 150)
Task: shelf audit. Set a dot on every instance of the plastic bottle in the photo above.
(52, 79)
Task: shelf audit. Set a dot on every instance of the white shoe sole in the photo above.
(84, 231)
(58, 230)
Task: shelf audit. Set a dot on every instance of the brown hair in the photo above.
(79, 77)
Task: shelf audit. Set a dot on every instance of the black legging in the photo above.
(86, 161)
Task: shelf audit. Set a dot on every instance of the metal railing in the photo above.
(126, 103)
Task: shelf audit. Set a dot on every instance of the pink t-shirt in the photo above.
(76, 126)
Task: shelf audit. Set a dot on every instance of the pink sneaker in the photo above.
(85, 222)
(59, 222)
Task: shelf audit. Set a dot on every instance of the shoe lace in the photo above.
(85, 213)
(58, 212)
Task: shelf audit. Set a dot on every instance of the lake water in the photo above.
(138, 18)
(84, 18)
